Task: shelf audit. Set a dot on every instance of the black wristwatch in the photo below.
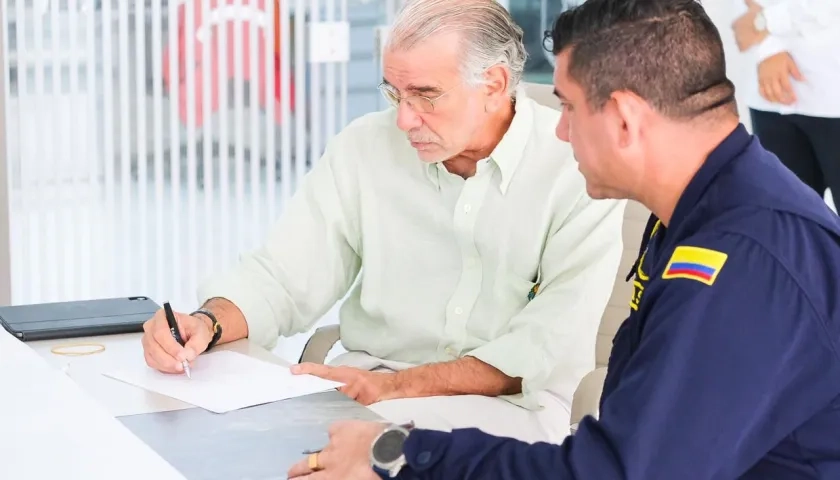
(217, 327)
(386, 453)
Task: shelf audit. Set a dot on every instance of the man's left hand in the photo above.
(746, 35)
(361, 385)
(346, 457)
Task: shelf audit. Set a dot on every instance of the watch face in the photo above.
(389, 447)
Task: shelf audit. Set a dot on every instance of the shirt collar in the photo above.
(508, 153)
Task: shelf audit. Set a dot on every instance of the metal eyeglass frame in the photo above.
(394, 98)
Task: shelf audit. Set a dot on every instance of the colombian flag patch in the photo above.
(695, 263)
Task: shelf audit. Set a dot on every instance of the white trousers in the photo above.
(492, 415)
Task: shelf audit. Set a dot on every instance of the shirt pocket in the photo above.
(513, 293)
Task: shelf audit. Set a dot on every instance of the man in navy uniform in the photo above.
(728, 365)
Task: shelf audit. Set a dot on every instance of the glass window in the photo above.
(535, 17)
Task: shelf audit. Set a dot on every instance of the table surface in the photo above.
(259, 442)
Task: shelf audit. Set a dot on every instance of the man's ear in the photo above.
(497, 80)
(629, 110)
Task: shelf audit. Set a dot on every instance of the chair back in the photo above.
(635, 219)
(542, 94)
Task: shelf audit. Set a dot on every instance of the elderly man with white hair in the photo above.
(477, 266)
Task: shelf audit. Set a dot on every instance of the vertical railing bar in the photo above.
(330, 94)
(173, 237)
(280, 11)
(108, 131)
(51, 163)
(124, 269)
(142, 156)
(37, 198)
(157, 125)
(255, 28)
(238, 120)
(188, 270)
(224, 153)
(301, 111)
(316, 92)
(344, 86)
(74, 277)
(286, 146)
(208, 241)
(94, 243)
(71, 220)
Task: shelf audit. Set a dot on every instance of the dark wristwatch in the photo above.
(386, 453)
(217, 327)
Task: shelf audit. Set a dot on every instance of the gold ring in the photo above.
(313, 462)
(78, 349)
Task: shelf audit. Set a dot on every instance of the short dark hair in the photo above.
(668, 52)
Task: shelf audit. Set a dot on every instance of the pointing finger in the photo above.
(316, 369)
(336, 374)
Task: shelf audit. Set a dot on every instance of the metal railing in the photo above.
(150, 142)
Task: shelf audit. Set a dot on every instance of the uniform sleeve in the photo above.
(309, 259)
(722, 374)
(559, 326)
(798, 18)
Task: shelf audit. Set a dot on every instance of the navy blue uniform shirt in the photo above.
(728, 364)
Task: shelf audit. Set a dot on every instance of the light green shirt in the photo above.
(445, 265)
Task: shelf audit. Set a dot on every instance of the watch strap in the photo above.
(217, 327)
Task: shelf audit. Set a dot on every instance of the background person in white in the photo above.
(450, 246)
(793, 93)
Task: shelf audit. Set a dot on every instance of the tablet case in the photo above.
(49, 321)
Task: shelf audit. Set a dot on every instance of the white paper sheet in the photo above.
(53, 429)
(223, 381)
(119, 398)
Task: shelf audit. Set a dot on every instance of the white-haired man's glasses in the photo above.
(418, 103)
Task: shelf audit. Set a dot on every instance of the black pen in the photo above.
(173, 328)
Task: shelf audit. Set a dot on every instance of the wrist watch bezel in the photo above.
(393, 467)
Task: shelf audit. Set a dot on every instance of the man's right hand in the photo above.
(161, 350)
(774, 74)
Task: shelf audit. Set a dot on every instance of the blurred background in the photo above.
(149, 142)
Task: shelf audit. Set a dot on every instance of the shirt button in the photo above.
(467, 208)
(459, 310)
(449, 351)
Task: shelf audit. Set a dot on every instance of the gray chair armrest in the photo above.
(587, 396)
(320, 344)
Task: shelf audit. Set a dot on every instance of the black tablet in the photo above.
(48, 321)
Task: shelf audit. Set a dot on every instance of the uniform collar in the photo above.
(728, 150)
(508, 153)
